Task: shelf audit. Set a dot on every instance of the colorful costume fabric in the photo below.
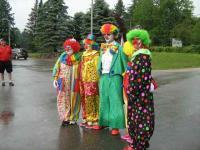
(68, 97)
(128, 49)
(140, 99)
(89, 85)
(110, 86)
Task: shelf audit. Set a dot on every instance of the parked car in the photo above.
(18, 53)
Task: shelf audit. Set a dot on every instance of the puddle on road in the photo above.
(6, 117)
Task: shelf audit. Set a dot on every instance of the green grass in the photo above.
(35, 55)
(163, 60)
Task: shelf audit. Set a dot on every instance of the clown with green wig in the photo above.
(89, 83)
(111, 66)
(138, 90)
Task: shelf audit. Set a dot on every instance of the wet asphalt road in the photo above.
(29, 118)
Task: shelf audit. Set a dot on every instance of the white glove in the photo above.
(152, 88)
(55, 83)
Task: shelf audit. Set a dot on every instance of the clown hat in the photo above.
(90, 40)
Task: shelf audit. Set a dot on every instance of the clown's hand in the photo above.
(55, 83)
(152, 88)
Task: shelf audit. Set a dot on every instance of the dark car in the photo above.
(18, 53)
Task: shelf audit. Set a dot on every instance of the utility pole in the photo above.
(91, 16)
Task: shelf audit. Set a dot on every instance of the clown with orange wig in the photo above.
(111, 65)
(89, 83)
(65, 73)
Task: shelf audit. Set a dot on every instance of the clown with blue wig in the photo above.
(89, 83)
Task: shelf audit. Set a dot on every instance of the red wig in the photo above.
(73, 44)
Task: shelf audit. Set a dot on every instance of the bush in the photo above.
(186, 49)
(45, 55)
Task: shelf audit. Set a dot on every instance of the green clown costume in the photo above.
(110, 85)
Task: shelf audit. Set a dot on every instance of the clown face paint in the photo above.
(69, 50)
(109, 38)
(88, 47)
(3, 43)
(137, 44)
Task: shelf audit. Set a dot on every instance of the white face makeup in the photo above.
(69, 50)
(88, 47)
(109, 38)
(3, 43)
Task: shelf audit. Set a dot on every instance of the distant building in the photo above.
(176, 43)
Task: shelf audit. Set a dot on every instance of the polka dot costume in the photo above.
(140, 102)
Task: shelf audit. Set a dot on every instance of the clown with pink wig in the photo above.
(111, 66)
(65, 73)
(89, 83)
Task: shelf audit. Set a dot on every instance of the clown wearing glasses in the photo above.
(66, 82)
(111, 65)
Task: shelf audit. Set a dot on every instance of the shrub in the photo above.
(186, 49)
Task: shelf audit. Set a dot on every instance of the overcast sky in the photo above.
(22, 8)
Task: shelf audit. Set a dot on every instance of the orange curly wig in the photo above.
(73, 44)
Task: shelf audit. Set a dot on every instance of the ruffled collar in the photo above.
(141, 51)
(89, 53)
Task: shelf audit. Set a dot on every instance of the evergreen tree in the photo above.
(101, 14)
(39, 29)
(129, 14)
(78, 24)
(56, 26)
(30, 27)
(16, 41)
(86, 24)
(6, 19)
(24, 41)
(119, 15)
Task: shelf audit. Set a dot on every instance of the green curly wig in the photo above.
(143, 35)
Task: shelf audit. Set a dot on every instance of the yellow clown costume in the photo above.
(89, 82)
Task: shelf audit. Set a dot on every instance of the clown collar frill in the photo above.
(112, 47)
(141, 51)
(71, 59)
(89, 53)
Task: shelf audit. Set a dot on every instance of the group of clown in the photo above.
(110, 83)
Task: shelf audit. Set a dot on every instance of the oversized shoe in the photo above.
(89, 125)
(128, 148)
(97, 127)
(72, 122)
(83, 124)
(65, 123)
(115, 132)
(125, 137)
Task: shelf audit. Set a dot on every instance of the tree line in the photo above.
(49, 23)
